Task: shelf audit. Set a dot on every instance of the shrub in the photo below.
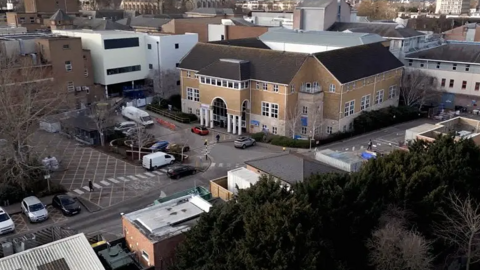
(258, 136)
(377, 119)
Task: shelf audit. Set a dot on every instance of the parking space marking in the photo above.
(157, 173)
(97, 185)
(212, 165)
(86, 188)
(132, 177)
(123, 178)
(237, 165)
(113, 180)
(149, 174)
(141, 176)
(163, 170)
(78, 191)
(20, 223)
(105, 183)
(220, 165)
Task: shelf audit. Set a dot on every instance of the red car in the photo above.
(200, 130)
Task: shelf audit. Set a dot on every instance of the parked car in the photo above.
(156, 160)
(177, 147)
(67, 204)
(200, 130)
(135, 114)
(244, 142)
(132, 131)
(181, 171)
(159, 146)
(6, 222)
(34, 209)
(123, 126)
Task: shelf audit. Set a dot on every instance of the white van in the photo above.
(158, 159)
(137, 115)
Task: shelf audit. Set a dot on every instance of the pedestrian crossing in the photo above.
(119, 180)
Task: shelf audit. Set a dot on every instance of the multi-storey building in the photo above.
(243, 85)
(454, 7)
(167, 7)
(319, 15)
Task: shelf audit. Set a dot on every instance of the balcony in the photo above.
(315, 89)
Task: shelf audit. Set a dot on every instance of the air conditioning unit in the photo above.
(79, 88)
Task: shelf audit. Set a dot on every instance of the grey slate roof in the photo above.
(60, 15)
(228, 69)
(243, 42)
(466, 53)
(387, 30)
(98, 24)
(291, 168)
(367, 60)
(320, 38)
(265, 65)
(74, 253)
(141, 21)
(314, 3)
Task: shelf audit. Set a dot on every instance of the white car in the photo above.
(123, 126)
(6, 222)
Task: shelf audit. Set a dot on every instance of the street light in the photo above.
(47, 177)
(310, 140)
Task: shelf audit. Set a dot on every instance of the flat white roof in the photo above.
(100, 32)
(245, 174)
(424, 128)
(74, 253)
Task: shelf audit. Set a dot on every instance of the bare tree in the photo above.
(417, 88)
(394, 247)
(165, 83)
(461, 228)
(102, 115)
(293, 116)
(317, 116)
(140, 138)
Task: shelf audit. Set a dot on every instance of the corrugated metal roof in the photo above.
(74, 251)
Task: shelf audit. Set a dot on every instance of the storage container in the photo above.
(345, 161)
(241, 177)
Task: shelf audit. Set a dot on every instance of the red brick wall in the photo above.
(237, 32)
(165, 250)
(137, 242)
(192, 27)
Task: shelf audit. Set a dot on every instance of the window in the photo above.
(438, 64)
(265, 109)
(70, 87)
(348, 87)
(86, 72)
(202, 79)
(120, 70)
(119, 43)
(317, 130)
(264, 127)
(32, 19)
(219, 82)
(292, 88)
(66, 46)
(329, 130)
(213, 81)
(305, 110)
(178, 82)
(464, 85)
(316, 86)
(452, 83)
(257, 85)
(365, 102)
(331, 89)
(467, 67)
(454, 67)
(274, 130)
(308, 87)
(150, 66)
(224, 83)
(275, 88)
(22, 19)
(392, 92)
(177, 64)
(207, 80)
(222, 37)
(197, 112)
(379, 97)
(477, 86)
(410, 62)
(444, 81)
(188, 74)
(265, 86)
(422, 65)
(177, 46)
(274, 111)
(149, 46)
(145, 255)
(193, 94)
(190, 111)
(304, 131)
(349, 108)
(68, 66)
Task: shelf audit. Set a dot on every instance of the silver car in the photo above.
(34, 209)
(244, 142)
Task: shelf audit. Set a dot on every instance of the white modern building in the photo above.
(166, 51)
(315, 41)
(456, 67)
(118, 57)
(271, 19)
(453, 7)
(319, 15)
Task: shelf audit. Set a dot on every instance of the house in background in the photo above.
(469, 32)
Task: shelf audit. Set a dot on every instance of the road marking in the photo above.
(162, 194)
(78, 191)
(113, 180)
(237, 165)
(149, 174)
(212, 165)
(157, 173)
(97, 185)
(163, 170)
(132, 177)
(220, 165)
(141, 176)
(228, 165)
(123, 178)
(86, 188)
(105, 183)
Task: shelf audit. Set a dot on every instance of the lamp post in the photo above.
(310, 140)
(47, 177)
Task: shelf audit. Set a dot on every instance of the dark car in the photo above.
(159, 146)
(200, 130)
(181, 171)
(67, 204)
(177, 148)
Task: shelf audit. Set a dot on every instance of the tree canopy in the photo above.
(329, 221)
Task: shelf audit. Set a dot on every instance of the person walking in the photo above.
(90, 185)
(370, 145)
(218, 137)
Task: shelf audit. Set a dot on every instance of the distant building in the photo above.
(167, 7)
(213, 12)
(271, 19)
(469, 32)
(319, 15)
(455, 7)
(462, 127)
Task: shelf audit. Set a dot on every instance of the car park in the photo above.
(181, 171)
(159, 146)
(123, 126)
(244, 142)
(67, 204)
(6, 223)
(34, 209)
(200, 130)
(177, 148)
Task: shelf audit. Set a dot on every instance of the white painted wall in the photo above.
(300, 48)
(330, 15)
(216, 31)
(166, 53)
